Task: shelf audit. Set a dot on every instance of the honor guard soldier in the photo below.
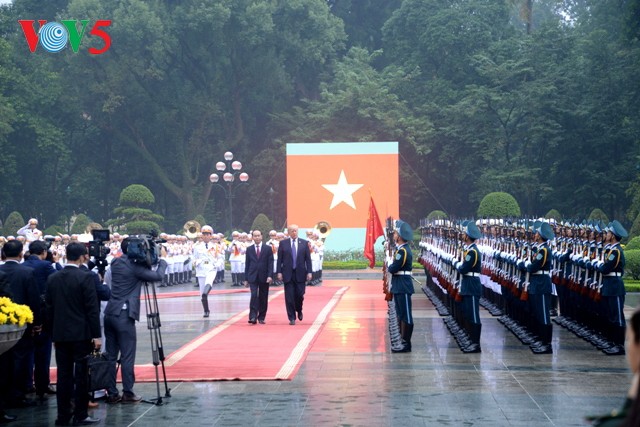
(612, 288)
(539, 288)
(204, 261)
(471, 288)
(401, 283)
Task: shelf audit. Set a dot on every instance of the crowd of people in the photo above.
(76, 310)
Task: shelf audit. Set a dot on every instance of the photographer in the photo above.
(121, 313)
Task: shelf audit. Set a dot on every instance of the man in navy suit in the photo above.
(294, 269)
(41, 360)
(24, 290)
(258, 271)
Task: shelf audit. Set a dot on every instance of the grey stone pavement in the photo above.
(350, 377)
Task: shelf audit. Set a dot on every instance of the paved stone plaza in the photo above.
(351, 378)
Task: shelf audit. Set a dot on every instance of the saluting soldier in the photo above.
(401, 285)
(612, 291)
(471, 288)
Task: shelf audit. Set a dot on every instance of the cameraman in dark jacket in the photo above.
(120, 315)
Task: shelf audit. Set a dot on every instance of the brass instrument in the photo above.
(323, 228)
(191, 229)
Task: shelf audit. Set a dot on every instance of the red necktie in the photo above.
(258, 251)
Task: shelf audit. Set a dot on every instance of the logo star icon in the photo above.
(342, 191)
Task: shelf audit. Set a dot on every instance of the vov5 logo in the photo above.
(54, 36)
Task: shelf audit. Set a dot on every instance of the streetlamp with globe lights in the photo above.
(228, 171)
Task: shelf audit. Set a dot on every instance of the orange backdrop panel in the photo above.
(308, 201)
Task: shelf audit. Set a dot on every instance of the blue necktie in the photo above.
(294, 252)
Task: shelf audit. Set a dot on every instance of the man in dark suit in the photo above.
(73, 316)
(41, 360)
(258, 271)
(120, 316)
(24, 290)
(6, 361)
(294, 269)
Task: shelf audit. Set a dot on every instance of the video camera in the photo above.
(144, 249)
(98, 250)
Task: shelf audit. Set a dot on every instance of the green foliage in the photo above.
(635, 227)
(264, 224)
(136, 195)
(634, 243)
(80, 224)
(433, 215)
(13, 223)
(632, 266)
(141, 227)
(200, 220)
(498, 205)
(598, 215)
(631, 285)
(53, 230)
(553, 214)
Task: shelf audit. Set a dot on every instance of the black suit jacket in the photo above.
(102, 291)
(285, 261)
(24, 288)
(257, 270)
(73, 310)
(126, 281)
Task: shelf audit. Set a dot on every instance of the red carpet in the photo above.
(180, 294)
(237, 350)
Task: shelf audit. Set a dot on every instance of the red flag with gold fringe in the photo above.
(374, 230)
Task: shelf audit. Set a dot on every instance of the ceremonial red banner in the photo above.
(374, 230)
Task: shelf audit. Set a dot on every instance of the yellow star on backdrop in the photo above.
(342, 191)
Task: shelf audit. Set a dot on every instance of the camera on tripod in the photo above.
(144, 249)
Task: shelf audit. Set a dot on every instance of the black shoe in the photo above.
(404, 349)
(131, 398)
(114, 399)
(252, 321)
(543, 349)
(616, 350)
(473, 348)
(261, 321)
(300, 315)
(87, 421)
(206, 314)
(292, 322)
(4, 419)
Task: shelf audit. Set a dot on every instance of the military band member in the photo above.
(612, 291)
(204, 261)
(401, 283)
(236, 251)
(471, 288)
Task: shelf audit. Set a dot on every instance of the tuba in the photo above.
(191, 229)
(323, 228)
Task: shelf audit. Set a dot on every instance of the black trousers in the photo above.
(294, 297)
(71, 359)
(259, 300)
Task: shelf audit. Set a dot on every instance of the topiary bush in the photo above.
(136, 195)
(635, 228)
(264, 224)
(633, 244)
(14, 222)
(598, 215)
(498, 205)
(436, 215)
(553, 214)
(632, 265)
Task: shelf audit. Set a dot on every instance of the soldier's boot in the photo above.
(164, 281)
(172, 279)
(320, 276)
(217, 279)
(181, 278)
(233, 279)
(222, 276)
(406, 331)
(618, 340)
(546, 332)
(474, 347)
(242, 279)
(205, 304)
